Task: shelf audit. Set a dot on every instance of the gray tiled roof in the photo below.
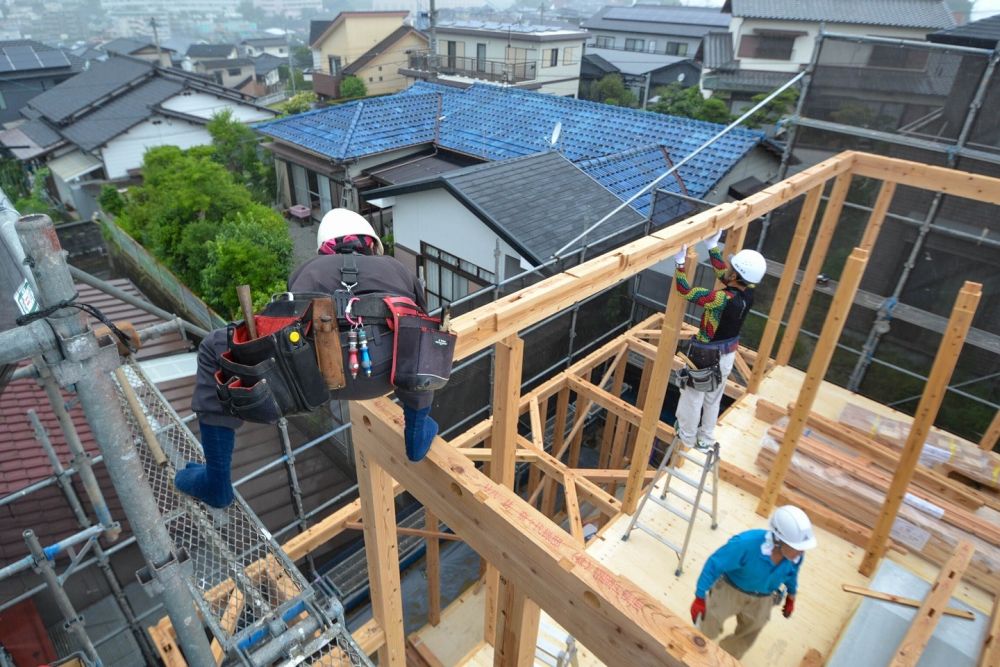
(892, 13)
(39, 132)
(261, 42)
(220, 63)
(635, 62)
(210, 50)
(658, 20)
(505, 195)
(746, 80)
(717, 50)
(125, 46)
(264, 63)
(983, 34)
(89, 86)
(119, 115)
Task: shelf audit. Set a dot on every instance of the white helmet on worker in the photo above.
(791, 526)
(749, 265)
(340, 222)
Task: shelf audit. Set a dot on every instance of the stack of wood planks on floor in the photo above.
(850, 473)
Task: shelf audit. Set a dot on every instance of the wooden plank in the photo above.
(820, 246)
(840, 308)
(231, 614)
(486, 454)
(433, 558)
(418, 654)
(651, 407)
(989, 656)
(912, 646)
(572, 507)
(369, 637)
(382, 549)
(812, 658)
(622, 623)
(166, 644)
(989, 440)
(610, 420)
(795, 251)
(906, 602)
(930, 402)
(735, 238)
(140, 417)
(416, 532)
(605, 475)
(319, 534)
(926, 177)
(877, 217)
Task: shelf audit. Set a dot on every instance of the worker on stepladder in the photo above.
(745, 577)
(349, 256)
(713, 348)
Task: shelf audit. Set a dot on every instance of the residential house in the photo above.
(267, 78)
(337, 43)
(671, 31)
(336, 154)
(138, 48)
(258, 46)
(198, 52)
(95, 129)
(542, 58)
(770, 41)
(28, 68)
(378, 68)
(229, 72)
(488, 224)
(640, 72)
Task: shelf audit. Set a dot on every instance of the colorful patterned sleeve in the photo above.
(718, 263)
(706, 298)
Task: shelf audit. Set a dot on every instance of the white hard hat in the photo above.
(791, 526)
(750, 265)
(341, 222)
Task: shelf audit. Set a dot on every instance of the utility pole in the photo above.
(645, 92)
(291, 60)
(156, 41)
(433, 36)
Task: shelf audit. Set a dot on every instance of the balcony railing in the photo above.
(325, 85)
(474, 68)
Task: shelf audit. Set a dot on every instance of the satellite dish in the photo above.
(555, 133)
(680, 77)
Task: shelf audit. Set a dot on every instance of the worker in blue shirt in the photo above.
(744, 578)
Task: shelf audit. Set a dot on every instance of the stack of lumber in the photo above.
(851, 484)
(942, 450)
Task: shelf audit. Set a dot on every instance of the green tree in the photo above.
(37, 200)
(236, 147)
(611, 89)
(689, 102)
(111, 200)
(302, 56)
(352, 87)
(299, 84)
(297, 103)
(14, 179)
(775, 110)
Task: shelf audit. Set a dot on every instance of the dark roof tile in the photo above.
(889, 13)
(89, 86)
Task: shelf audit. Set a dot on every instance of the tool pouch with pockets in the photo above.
(276, 374)
(707, 376)
(422, 354)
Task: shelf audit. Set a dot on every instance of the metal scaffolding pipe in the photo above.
(73, 620)
(27, 562)
(88, 367)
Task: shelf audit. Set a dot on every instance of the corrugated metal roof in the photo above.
(891, 13)
(73, 164)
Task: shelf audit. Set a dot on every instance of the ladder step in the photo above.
(670, 508)
(684, 478)
(659, 538)
(695, 460)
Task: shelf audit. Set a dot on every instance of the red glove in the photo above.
(789, 607)
(697, 609)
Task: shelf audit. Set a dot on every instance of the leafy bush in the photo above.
(352, 87)
(111, 200)
(298, 103)
(237, 148)
(689, 102)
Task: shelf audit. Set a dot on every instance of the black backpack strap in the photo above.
(349, 272)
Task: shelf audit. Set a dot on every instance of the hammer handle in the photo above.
(246, 305)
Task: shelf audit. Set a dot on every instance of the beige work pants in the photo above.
(752, 614)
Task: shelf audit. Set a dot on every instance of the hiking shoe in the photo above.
(704, 447)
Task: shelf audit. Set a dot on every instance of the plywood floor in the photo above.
(822, 608)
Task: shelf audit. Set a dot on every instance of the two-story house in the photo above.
(337, 43)
(670, 31)
(258, 46)
(29, 68)
(199, 52)
(768, 41)
(229, 72)
(532, 57)
(379, 67)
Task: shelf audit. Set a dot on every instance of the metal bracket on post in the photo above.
(75, 350)
(148, 576)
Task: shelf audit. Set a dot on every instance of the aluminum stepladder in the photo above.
(708, 461)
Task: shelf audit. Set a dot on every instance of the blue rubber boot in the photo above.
(210, 483)
(419, 430)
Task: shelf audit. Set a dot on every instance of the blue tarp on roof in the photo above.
(623, 149)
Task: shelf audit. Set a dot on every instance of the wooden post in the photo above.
(992, 434)
(735, 238)
(922, 627)
(834, 205)
(517, 628)
(877, 217)
(673, 317)
(537, 437)
(785, 284)
(506, 390)
(937, 384)
(378, 512)
(990, 653)
(433, 570)
(610, 419)
(840, 308)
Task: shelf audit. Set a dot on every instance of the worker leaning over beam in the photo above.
(745, 577)
(713, 348)
(349, 257)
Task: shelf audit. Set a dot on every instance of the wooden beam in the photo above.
(537, 437)
(802, 230)
(617, 406)
(416, 532)
(622, 623)
(989, 656)
(934, 391)
(433, 569)
(735, 238)
(319, 534)
(486, 454)
(378, 512)
(605, 475)
(589, 491)
(812, 658)
(517, 627)
(653, 405)
(989, 440)
(912, 646)
(820, 246)
(877, 217)
(906, 602)
(572, 507)
(840, 308)
(936, 179)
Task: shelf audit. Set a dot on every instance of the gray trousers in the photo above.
(205, 401)
(752, 614)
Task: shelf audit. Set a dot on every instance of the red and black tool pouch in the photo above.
(276, 374)
(422, 354)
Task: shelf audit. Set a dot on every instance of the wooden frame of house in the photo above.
(533, 563)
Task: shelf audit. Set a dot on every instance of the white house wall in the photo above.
(204, 105)
(437, 218)
(126, 151)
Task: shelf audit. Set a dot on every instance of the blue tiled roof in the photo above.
(622, 148)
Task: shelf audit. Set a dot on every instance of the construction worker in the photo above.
(714, 346)
(745, 577)
(350, 254)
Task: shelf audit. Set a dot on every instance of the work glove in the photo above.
(697, 609)
(681, 256)
(713, 240)
(789, 607)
